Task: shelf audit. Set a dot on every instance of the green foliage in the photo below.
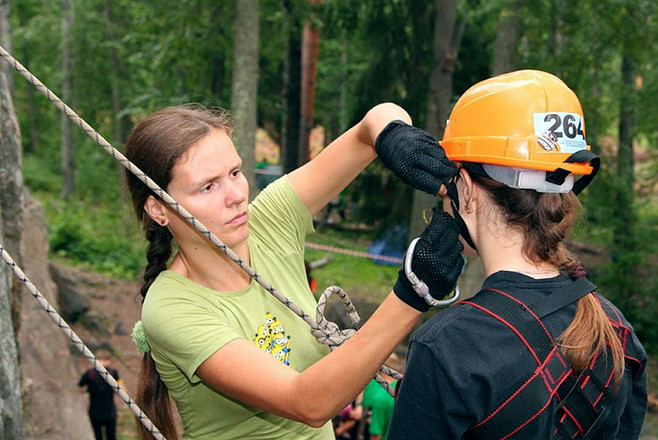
(92, 237)
(171, 52)
(41, 176)
(90, 229)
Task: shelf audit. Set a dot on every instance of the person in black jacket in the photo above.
(535, 354)
(102, 411)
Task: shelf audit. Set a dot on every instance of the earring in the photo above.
(427, 215)
(468, 210)
(162, 222)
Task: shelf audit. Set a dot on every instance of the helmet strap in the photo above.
(582, 156)
(453, 194)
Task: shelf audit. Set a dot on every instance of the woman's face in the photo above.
(208, 182)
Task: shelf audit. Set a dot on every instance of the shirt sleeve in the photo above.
(191, 332)
(280, 216)
(440, 410)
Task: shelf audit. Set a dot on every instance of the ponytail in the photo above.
(590, 332)
(152, 393)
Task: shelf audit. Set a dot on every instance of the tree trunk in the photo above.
(114, 74)
(245, 83)
(33, 134)
(593, 127)
(291, 114)
(310, 46)
(447, 38)
(11, 225)
(118, 122)
(623, 229)
(344, 79)
(6, 41)
(68, 155)
(507, 39)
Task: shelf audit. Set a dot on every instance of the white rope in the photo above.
(329, 338)
(327, 331)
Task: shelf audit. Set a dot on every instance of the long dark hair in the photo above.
(155, 146)
(545, 219)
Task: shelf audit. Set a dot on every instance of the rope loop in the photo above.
(327, 332)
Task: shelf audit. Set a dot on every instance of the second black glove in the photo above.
(437, 261)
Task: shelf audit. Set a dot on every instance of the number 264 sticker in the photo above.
(560, 131)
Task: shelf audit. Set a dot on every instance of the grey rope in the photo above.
(77, 342)
(332, 339)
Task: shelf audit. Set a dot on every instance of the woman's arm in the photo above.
(242, 371)
(323, 178)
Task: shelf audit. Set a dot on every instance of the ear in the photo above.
(469, 191)
(156, 209)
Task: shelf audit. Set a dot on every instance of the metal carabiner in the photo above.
(419, 285)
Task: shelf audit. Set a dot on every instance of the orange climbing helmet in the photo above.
(527, 130)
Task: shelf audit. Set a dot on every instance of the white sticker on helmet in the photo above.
(559, 131)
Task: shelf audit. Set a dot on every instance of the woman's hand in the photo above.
(415, 157)
(437, 261)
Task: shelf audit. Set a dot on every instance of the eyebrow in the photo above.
(208, 178)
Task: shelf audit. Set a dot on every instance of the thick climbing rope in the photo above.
(325, 331)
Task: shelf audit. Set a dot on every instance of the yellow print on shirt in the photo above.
(271, 337)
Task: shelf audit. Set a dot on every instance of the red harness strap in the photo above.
(582, 399)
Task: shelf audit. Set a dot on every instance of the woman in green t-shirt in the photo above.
(237, 364)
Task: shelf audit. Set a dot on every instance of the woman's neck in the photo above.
(212, 268)
(504, 251)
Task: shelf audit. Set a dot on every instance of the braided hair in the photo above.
(155, 146)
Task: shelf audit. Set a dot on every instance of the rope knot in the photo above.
(327, 332)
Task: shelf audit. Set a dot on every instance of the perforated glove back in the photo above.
(414, 156)
(437, 260)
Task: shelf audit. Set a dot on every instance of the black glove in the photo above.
(437, 260)
(414, 156)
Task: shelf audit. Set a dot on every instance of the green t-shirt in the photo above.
(381, 404)
(186, 323)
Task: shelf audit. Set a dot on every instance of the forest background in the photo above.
(286, 66)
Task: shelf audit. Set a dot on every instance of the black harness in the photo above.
(582, 400)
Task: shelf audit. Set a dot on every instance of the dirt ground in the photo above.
(115, 309)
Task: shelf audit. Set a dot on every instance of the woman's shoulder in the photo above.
(279, 192)
(173, 290)
(454, 319)
(277, 217)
